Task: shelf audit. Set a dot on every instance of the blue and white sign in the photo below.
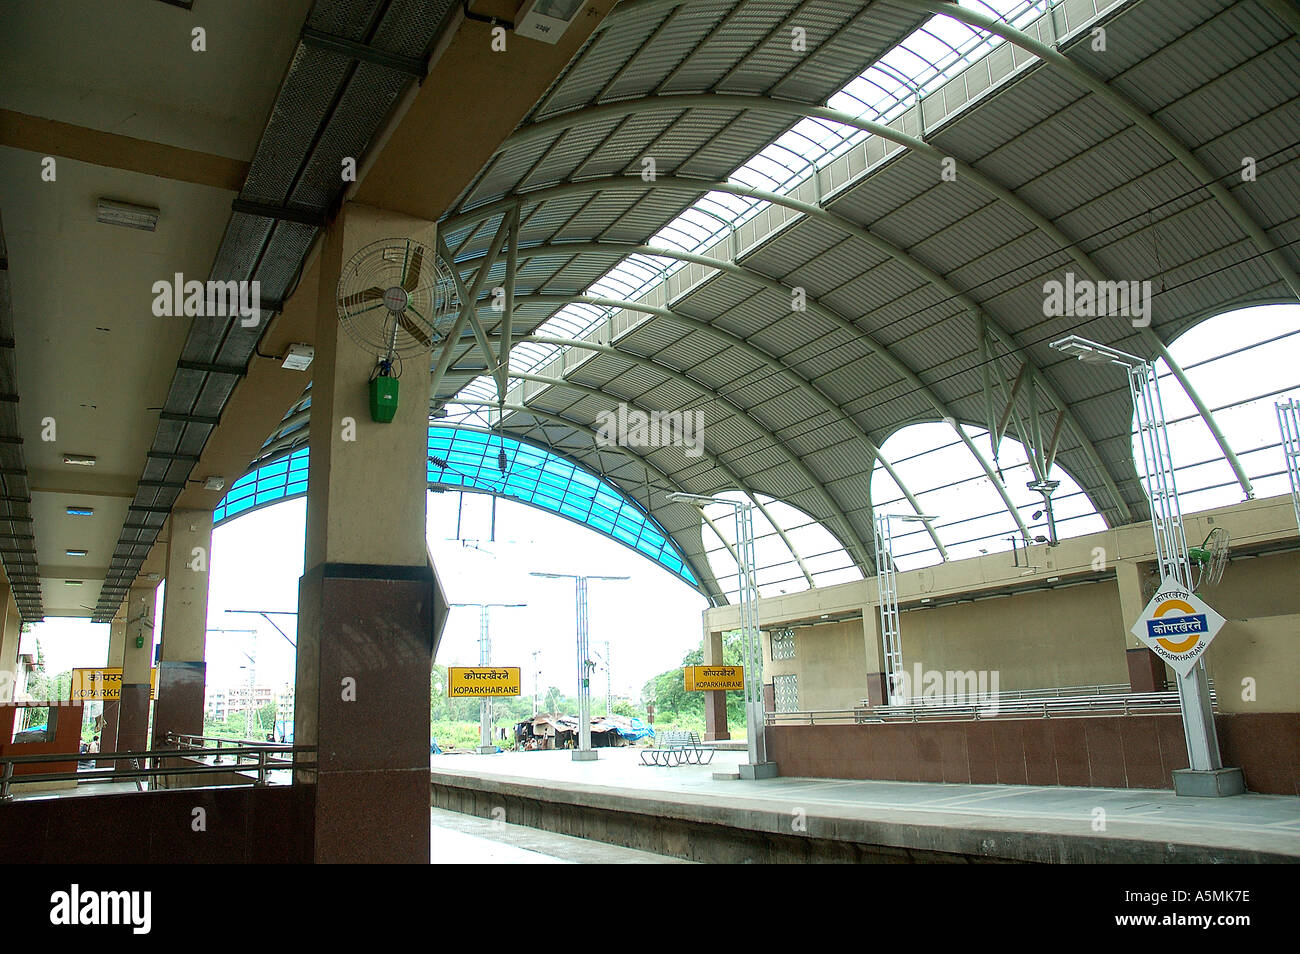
(1177, 626)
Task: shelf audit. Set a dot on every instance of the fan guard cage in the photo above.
(396, 298)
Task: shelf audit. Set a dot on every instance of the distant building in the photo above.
(220, 702)
(284, 704)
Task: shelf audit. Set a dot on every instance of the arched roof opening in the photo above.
(949, 484)
(792, 551)
(1240, 362)
(469, 459)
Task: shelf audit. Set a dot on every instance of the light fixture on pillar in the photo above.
(547, 20)
(298, 357)
(395, 299)
(1177, 607)
(1046, 488)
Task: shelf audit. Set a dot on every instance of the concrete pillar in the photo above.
(137, 661)
(369, 603)
(877, 678)
(10, 630)
(181, 666)
(1146, 670)
(715, 703)
(116, 648)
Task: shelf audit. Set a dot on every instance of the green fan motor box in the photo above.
(383, 399)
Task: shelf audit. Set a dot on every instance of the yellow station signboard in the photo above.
(704, 678)
(468, 682)
(104, 685)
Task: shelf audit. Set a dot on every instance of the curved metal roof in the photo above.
(463, 458)
(836, 240)
(925, 296)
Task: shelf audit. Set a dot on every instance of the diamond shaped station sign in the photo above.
(1177, 626)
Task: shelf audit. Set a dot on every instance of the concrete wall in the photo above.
(1135, 751)
(1065, 637)
(829, 661)
(1265, 651)
(1058, 634)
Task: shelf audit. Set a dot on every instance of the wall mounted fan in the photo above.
(396, 299)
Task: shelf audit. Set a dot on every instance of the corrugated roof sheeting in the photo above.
(1029, 161)
(501, 173)
(699, 353)
(537, 222)
(597, 62)
(1272, 198)
(835, 59)
(717, 157)
(708, 62)
(777, 404)
(889, 301)
(576, 275)
(902, 178)
(1180, 51)
(1041, 96)
(769, 63)
(652, 64)
(1069, 154)
(1222, 105)
(620, 152)
(647, 208)
(888, 401)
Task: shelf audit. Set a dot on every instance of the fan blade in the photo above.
(413, 270)
(370, 294)
(414, 330)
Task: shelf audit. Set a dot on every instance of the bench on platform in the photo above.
(676, 748)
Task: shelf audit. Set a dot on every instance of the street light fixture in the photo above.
(584, 752)
(1167, 528)
(752, 647)
(1046, 488)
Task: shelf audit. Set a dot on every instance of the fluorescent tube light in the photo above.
(127, 215)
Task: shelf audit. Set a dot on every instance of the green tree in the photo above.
(673, 703)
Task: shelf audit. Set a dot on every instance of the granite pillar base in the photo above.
(179, 708)
(365, 644)
(877, 689)
(1146, 671)
(715, 716)
(133, 719)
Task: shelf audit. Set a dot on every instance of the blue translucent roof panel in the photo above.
(468, 460)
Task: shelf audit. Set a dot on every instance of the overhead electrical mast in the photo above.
(486, 745)
(752, 646)
(1170, 546)
(584, 752)
(1288, 421)
(887, 595)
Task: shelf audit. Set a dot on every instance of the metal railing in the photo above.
(255, 761)
(1013, 704)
